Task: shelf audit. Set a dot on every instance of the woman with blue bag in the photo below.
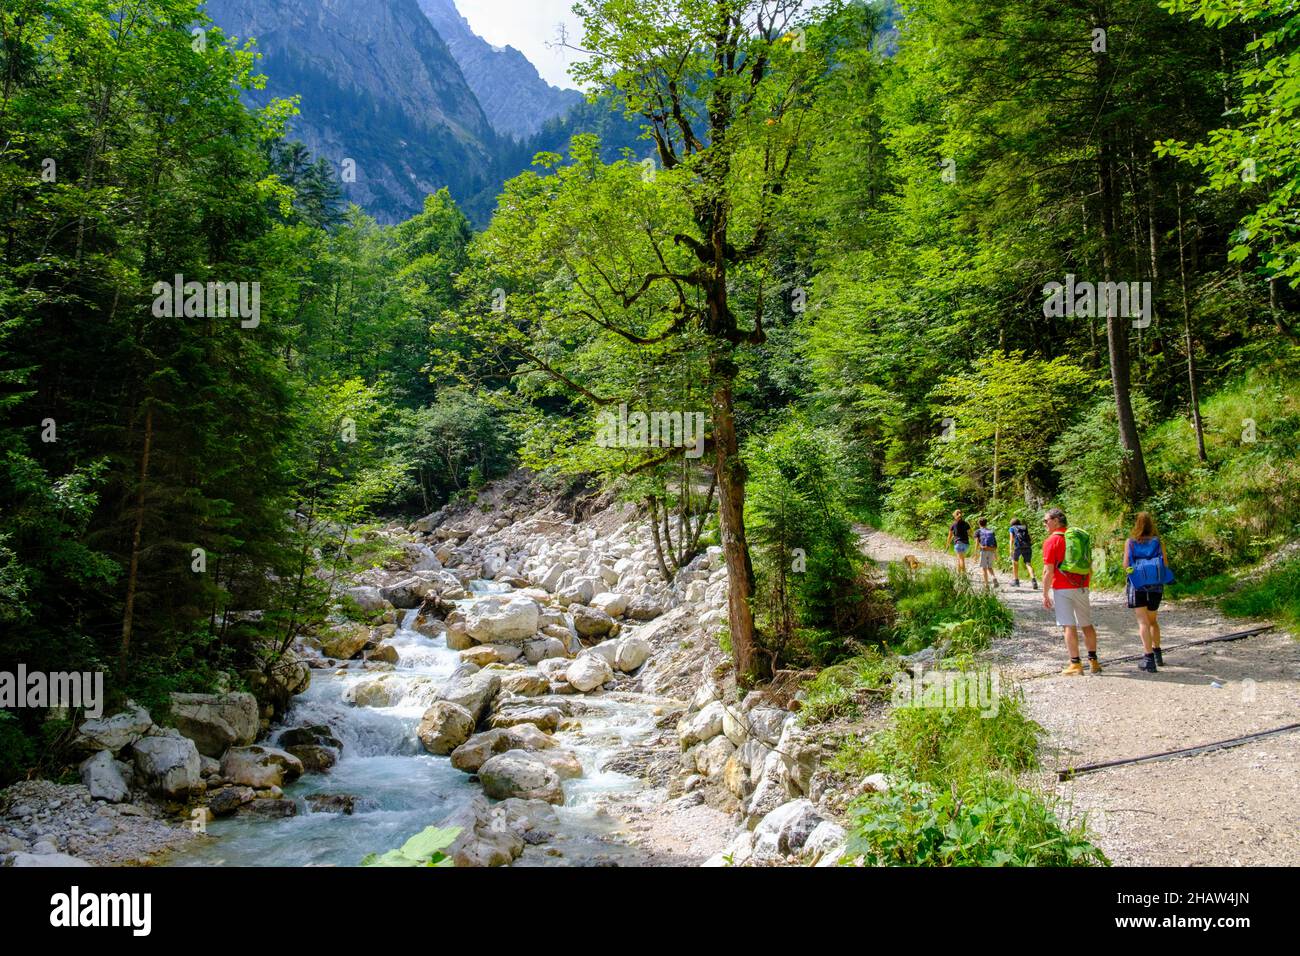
(1148, 573)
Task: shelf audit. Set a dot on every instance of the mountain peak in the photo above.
(371, 76)
(516, 99)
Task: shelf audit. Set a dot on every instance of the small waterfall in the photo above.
(406, 789)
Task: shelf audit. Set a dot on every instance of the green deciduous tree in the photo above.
(653, 256)
(812, 598)
(1259, 155)
(1003, 414)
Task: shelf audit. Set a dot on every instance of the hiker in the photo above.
(1066, 590)
(1022, 549)
(1148, 572)
(988, 542)
(959, 539)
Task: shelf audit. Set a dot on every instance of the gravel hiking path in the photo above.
(1233, 807)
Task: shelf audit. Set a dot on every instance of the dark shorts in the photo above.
(1023, 554)
(1147, 599)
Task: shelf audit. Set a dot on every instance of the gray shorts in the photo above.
(986, 559)
(1073, 607)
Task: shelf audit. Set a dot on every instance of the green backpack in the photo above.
(1078, 552)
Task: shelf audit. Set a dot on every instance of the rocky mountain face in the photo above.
(378, 86)
(408, 92)
(515, 98)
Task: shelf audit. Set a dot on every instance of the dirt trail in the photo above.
(1232, 807)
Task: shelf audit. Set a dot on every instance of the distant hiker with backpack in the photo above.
(1148, 572)
(1067, 573)
(988, 542)
(1022, 549)
(959, 540)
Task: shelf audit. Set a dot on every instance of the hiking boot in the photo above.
(1073, 669)
(1015, 582)
(1034, 582)
(1160, 658)
(1095, 665)
(1148, 664)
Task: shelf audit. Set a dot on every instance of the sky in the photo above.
(530, 27)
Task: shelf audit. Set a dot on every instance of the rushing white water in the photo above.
(405, 789)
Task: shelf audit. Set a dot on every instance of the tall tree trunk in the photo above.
(731, 517)
(669, 547)
(997, 463)
(1136, 483)
(133, 572)
(1187, 339)
(1154, 248)
(653, 506)
(1094, 357)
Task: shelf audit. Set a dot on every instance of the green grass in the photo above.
(931, 604)
(935, 603)
(867, 514)
(1240, 505)
(1209, 588)
(945, 745)
(955, 745)
(1275, 595)
(837, 691)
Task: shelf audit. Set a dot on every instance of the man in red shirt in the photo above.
(1067, 594)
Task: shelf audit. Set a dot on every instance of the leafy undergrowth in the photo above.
(1215, 516)
(995, 824)
(367, 548)
(953, 797)
(1227, 512)
(932, 605)
(935, 603)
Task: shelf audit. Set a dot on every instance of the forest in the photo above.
(902, 259)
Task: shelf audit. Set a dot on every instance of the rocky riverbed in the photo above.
(527, 677)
